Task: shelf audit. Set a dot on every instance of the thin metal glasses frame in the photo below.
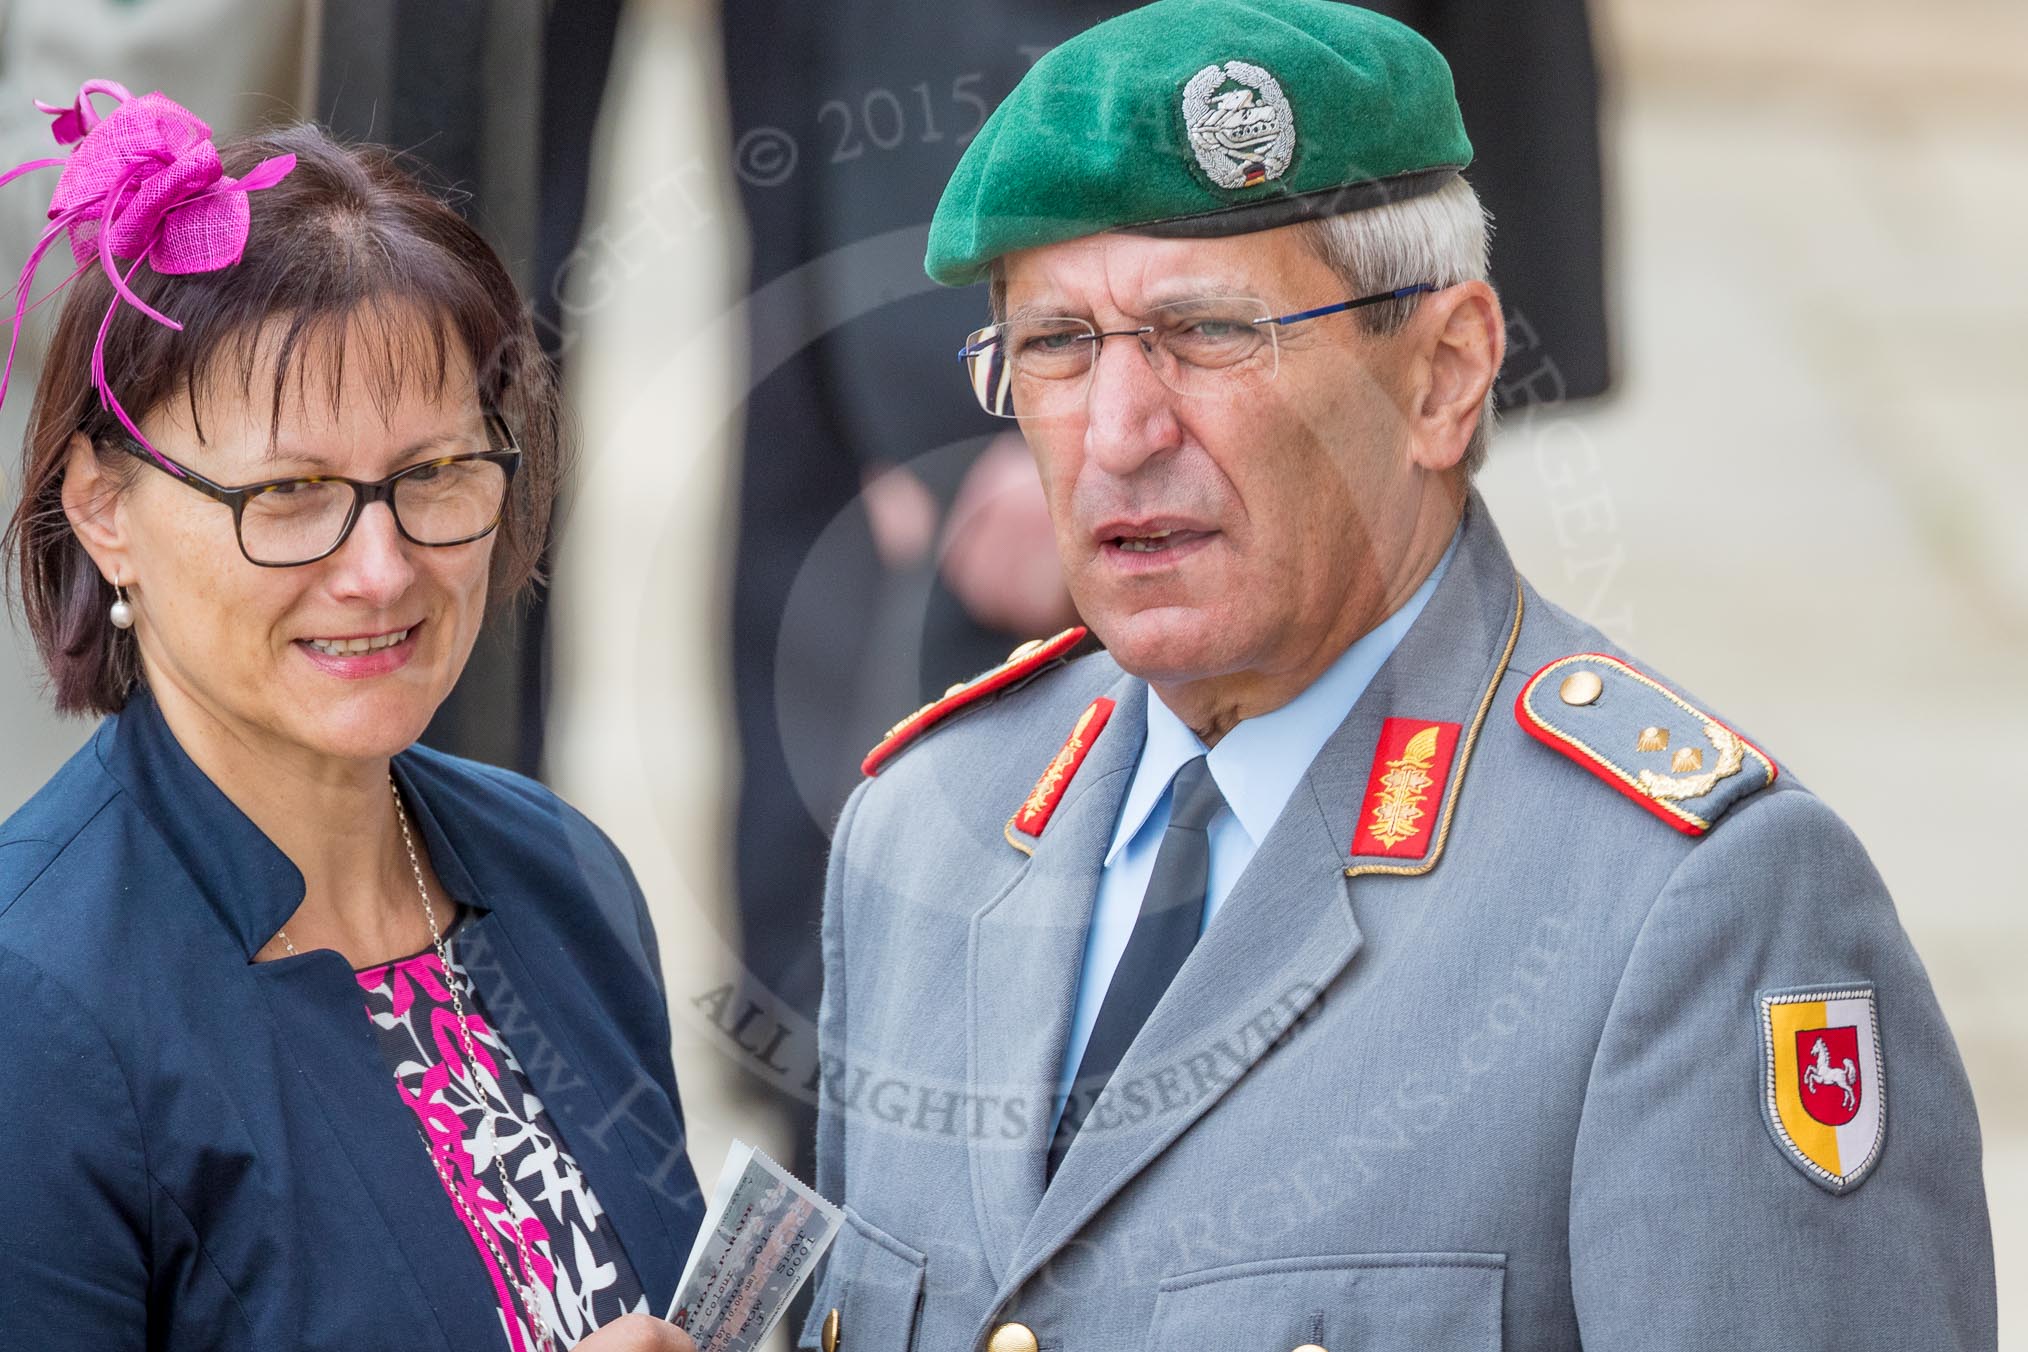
(970, 350)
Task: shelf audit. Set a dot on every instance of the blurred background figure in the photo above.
(423, 77)
(248, 69)
(500, 97)
(792, 525)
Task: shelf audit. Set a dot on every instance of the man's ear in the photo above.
(92, 502)
(1460, 341)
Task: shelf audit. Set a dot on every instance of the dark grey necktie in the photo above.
(1172, 916)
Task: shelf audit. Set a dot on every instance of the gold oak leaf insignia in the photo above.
(1044, 787)
(1398, 815)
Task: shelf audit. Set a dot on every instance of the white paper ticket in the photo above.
(761, 1237)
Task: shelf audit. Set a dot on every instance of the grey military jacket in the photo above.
(1552, 1080)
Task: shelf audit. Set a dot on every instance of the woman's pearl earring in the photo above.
(122, 613)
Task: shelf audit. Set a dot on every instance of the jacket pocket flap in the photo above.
(875, 1283)
(1431, 1302)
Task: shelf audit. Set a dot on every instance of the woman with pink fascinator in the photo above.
(315, 1038)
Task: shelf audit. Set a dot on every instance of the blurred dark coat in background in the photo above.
(499, 99)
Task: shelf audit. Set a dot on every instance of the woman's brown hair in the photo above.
(350, 241)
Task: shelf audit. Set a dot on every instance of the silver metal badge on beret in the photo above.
(1239, 123)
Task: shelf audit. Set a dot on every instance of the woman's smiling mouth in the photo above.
(352, 647)
(362, 655)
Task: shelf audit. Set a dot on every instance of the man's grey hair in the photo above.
(1440, 237)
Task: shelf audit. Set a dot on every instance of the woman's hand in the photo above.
(637, 1333)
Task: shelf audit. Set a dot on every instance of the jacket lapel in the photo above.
(1287, 930)
(613, 1118)
(249, 882)
(1281, 937)
(1023, 960)
(1446, 669)
(320, 1012)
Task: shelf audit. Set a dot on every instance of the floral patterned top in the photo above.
(585, 1277)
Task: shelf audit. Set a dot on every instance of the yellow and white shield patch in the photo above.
(1825, 1090)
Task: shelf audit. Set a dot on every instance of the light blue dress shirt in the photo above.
(1257, 766)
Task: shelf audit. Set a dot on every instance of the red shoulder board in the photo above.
(1642, 738)
(1022, 663)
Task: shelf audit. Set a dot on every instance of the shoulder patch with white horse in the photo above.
(1824, 1080)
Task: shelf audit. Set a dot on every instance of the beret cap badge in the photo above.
(1091, 141)
(1239, 123)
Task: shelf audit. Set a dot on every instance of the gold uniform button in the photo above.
(1012, 1338)
(1581, 687)
(829, 1338)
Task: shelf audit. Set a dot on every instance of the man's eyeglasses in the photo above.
(284, 523)
(1042, 367)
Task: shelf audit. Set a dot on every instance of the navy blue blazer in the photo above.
(201, 1151)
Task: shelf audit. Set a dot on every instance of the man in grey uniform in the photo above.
(1361, 952)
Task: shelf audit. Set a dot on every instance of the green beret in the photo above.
(1199, 118)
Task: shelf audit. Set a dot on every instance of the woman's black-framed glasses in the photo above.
(1041, 367)
(286, 523)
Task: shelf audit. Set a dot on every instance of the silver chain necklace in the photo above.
(525, 1285)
